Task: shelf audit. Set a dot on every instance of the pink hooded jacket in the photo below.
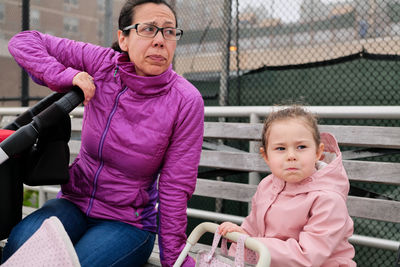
(135, 129)
(305, 224)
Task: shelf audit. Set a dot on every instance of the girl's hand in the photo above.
(227, 227)
(85, 82)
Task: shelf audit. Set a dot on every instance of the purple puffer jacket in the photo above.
(135, 129)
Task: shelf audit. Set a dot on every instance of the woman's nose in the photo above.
(158, 40)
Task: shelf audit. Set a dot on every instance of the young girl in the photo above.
(299, 211)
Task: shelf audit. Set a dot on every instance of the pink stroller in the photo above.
(213, 258)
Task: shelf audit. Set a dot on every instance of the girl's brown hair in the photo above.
(291, 112)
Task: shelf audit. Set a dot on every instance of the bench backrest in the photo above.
(375, 141)
(386, 138)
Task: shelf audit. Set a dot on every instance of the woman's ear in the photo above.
(122, 41)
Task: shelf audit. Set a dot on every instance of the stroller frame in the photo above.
(251, 243)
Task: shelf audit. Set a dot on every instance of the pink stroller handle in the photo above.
(250, 243)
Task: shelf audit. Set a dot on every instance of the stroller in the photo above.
(212, 258)
(35, 152)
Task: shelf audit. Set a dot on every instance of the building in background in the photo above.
(81, 20)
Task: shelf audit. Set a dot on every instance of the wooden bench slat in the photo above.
(225, 190)
(230, 130)
(376, 209)
(367, 153)
(375, 172)
(233, 161)
(365, 136)
(362, 136)
(365, 171)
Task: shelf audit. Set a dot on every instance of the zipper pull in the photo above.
(115, 73)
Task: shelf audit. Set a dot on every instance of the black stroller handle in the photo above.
(27, 135)
(27, 116)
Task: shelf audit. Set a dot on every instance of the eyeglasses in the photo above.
(149, 30)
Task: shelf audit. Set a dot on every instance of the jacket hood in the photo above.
(331, 177)
(144, 86)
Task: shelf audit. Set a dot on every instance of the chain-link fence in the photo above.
(324, 52)
(248, 52)
(92, 21)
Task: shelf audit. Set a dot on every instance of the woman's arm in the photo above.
(178, 180)
(55, 61)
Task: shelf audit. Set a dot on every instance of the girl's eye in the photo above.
(280, 148)
(301, 147)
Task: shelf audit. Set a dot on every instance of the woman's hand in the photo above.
(227, 227)
(85, 82)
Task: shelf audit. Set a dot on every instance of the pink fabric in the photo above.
(213, 259)
(305, 224)
(48, 246)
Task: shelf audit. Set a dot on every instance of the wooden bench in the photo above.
(364, 141)
(357, 143)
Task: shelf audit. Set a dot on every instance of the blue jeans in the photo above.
(97, 242)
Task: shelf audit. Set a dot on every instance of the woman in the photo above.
(142, 121)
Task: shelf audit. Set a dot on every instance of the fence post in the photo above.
(254, 177)
(108, 23)
(224, 79)
(226, 39)
(24, 75)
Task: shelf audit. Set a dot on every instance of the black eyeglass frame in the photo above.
(135, 26)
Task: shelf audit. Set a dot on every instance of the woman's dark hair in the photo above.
(128, 12)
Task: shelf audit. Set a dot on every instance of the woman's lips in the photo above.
(156, 58)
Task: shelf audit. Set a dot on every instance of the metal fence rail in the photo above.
(337, 112)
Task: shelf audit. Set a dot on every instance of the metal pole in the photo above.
(226, 37)
(24, 75)
(173, 5)
(108, 23)
(237, 55)
(223, 95)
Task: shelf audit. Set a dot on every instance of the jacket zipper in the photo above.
(100, 151)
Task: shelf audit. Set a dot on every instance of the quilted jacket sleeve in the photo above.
(54, 61)
(177, 180)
